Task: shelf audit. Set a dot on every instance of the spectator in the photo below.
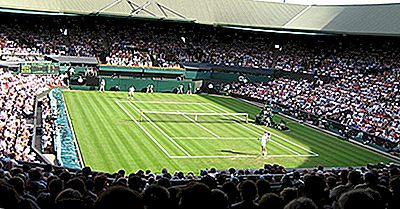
(263, 187)
(248, 192)
(219, 200)
(271, 201)
(394, 199)
(357, 199)
(289, 194)
(119, 197)
(156, 197)
(69, 198)
(195, 196)
(301, 203)
(46, 200)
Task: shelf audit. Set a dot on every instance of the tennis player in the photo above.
(131, 92)
(102, 85)
(264, 139)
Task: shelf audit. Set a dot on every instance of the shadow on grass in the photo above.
(236, 152)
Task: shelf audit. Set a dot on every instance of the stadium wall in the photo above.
(140, 84)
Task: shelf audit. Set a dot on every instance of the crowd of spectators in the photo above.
(141, 43)
(17, 100)
(357, 97)
(273, 187)
(49, 115)
(369, 103)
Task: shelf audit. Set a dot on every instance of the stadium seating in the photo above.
(17, 93)
(139, 43)
(355, 84)
(367, 103)
(372, 186)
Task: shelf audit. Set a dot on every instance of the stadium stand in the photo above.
(367, 103)
(31, 186)
(351, 80)
(17, 107)
(147, 44)
(348, 19)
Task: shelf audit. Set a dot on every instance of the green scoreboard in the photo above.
(39, 68)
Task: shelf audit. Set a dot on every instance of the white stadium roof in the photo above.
(380, 19)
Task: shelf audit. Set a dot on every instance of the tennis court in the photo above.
(189, 133)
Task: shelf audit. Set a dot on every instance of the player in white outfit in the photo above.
(102, 85)
(149, 89)
(264, 139)
(180, 89)
(189, 90)
(131, 92)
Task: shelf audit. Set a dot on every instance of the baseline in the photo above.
(220, 138)
(162, 102)
(239, 156)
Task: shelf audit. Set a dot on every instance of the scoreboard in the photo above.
(39, 68)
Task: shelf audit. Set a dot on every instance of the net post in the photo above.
(195, 117)
(247, 118)
(141, 115)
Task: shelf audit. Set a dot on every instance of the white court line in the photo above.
(163, 102)
(221, 156)
(239, 156)
(144, 130)
(221, 138)
(159, 129)
(201, 126)
(279, 144)
(152, 111)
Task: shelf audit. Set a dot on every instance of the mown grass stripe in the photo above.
(141, 153)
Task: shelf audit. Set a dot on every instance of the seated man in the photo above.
(282, 125)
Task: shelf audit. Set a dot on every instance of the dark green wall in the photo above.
(141, 84)
(222, 76)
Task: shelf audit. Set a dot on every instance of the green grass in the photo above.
(110, 139)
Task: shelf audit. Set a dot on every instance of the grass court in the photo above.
(193, 132)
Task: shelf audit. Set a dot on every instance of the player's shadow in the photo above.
(239, 153)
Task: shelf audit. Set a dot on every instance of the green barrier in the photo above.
(153, 70)
(223, 76)
(232, 77)
(197, 75)
(67, 152)
(78, 87)
(78, 70)
(140, 84)
(253, 78)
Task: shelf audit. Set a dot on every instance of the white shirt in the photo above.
(264, 139)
